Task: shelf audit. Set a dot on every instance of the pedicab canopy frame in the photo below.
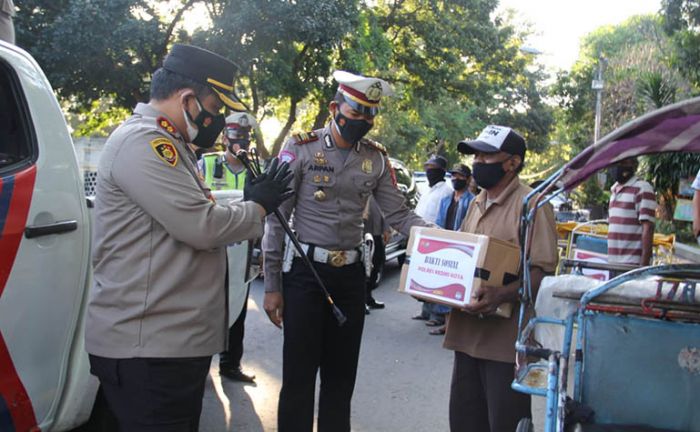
(675, 128)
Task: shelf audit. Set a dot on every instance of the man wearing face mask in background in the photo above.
(481, 398)
(157, 309)
(451, 213)
(336, 170)
(631, 216)
(429, 203)
(427, 208)
(222, 170)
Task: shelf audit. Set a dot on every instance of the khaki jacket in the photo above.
(159, 247)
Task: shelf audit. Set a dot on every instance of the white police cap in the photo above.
(362, 93)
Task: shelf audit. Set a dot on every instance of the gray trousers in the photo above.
(7, 28)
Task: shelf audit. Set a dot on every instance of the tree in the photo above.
(92, 49)
(640, 77)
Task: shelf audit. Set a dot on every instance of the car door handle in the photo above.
(54, 228)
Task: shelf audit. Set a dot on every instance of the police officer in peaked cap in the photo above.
(336, 170)
(157, 308)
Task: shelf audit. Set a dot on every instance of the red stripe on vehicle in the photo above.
(11, 388)
(15, 222)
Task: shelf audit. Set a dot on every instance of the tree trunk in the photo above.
(277, 146)
(321, 116)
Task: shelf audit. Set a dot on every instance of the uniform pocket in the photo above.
(364, 184)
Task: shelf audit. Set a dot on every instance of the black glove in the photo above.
(269, 189)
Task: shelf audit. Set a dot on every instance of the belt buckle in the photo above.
(336, 258)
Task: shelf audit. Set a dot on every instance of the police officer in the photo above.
(335, 172)
(157, 309)
(221, 170)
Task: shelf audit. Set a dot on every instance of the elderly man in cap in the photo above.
(157, 310)
(336, 170)
(481, 398)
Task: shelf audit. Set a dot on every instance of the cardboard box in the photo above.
(446, 266)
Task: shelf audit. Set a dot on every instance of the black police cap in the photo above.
(207, 68)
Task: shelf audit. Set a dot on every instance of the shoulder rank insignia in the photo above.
(165, 124)
(305, 137)
(165, 150)
(375, 145)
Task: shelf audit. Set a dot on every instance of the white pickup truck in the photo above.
(45, 272)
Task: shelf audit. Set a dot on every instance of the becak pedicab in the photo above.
(633, 341)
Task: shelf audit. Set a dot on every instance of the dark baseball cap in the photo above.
(461, 169)
(207, 68)
(437, 160)
(494, 139)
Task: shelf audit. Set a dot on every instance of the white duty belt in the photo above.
(335, 258)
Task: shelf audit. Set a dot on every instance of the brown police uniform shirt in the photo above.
(159, 247)
(493, 338)
(333, 219)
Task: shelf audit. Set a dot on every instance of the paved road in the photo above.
(402, 384)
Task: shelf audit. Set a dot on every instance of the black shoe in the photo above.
(236, 374)
(373, 304)
(366, 310)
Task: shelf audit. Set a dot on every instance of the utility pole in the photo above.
(597, 85)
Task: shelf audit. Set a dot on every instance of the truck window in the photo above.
(16, 148)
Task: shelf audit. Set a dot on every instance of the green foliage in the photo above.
(454, 64)
(681, 19)
(93, 48)
(100, 120)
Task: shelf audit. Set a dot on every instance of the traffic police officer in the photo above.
(335, 172)
(221, 170)
(157, 308)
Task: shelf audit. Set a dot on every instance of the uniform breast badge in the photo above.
(367, 166)
(320, 158)
(320, 195)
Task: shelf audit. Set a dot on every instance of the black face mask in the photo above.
(243, 144)
(209, 126)
(459, 184)
(351, 130)
(621, 174)
(435, 176)
(487, 175)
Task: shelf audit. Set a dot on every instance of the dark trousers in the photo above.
(481, 399)
(231, 358)
(378, 260)
(313, 340)
(153, 394)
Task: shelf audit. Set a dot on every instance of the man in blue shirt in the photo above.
(453, 208)
(451, 213)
